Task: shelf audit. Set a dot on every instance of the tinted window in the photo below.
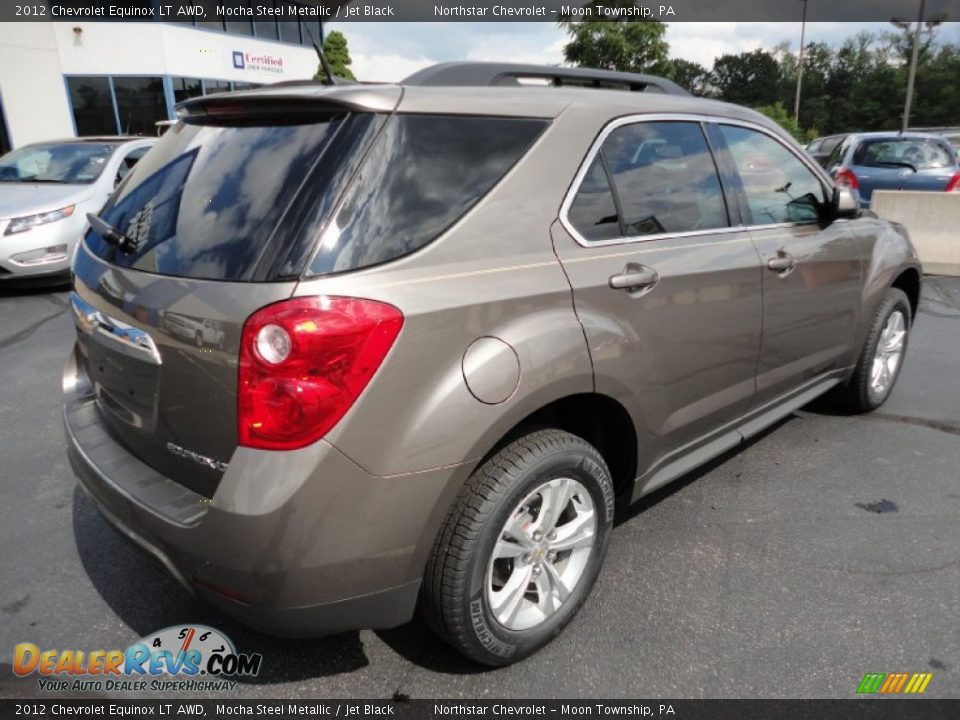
(67, 163)
(215, 86)
(665, 178)
(207, 200)
(778, 186)
(918, 153)
(140, 104)
(423, 174)
(239, 26)
(266, 29)
(593, 211)
(92, 106)
(290, 32)
(186, 88)
(128, 162)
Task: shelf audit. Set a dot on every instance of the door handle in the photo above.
(635, 277)
(784, 262)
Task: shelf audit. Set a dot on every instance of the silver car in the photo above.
(46, 191)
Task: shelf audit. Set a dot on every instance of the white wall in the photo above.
(32, 89)
(34, 57)
(162, 49)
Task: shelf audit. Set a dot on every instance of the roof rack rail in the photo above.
(459, 74)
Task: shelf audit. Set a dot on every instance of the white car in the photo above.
(46, 191)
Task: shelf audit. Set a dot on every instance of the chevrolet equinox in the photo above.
(345, 352)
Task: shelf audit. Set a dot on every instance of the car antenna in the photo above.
(331, 78)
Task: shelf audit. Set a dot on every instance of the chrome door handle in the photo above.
(783, 263)
(636, 277)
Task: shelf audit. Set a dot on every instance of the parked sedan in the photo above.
(822, 148)
(46, 191)
(894, 161)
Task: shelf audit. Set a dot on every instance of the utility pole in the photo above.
(803, 34)
(907, 27)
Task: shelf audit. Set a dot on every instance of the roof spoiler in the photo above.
(282, 100)
(470, 74)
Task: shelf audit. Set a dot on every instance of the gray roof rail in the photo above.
(466, 74)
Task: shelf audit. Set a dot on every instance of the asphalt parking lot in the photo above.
(824, 549)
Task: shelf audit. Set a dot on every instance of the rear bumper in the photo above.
(294, 544)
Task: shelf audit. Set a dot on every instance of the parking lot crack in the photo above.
(29, 330)
(951, 428)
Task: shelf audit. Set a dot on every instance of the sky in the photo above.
(391, 51)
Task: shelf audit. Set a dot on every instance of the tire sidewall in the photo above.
(495, 643)
(896, 302)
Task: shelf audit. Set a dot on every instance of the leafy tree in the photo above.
(748, 78)
(338, 55)
(610, 44)
(691, 76)
(779, 114)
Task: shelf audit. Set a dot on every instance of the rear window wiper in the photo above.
(895, 163)
(108, 232)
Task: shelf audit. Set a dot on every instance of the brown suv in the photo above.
(343, 351)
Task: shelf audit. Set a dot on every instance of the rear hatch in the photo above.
(224, 209)
(903, 163)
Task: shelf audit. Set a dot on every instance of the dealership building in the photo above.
(69, 79)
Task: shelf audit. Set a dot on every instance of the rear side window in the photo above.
(208, 199)
(663, 178)
(593, 211)
(422, 175)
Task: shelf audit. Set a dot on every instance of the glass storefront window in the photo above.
(140, 104)
(240, 26)
(4, 135)
(186, 88)
(290, 32)
(266, 29)
(314, 27)
(92, 105)
(215, 86)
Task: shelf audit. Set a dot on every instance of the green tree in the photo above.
(780, 115)
(691, 76)
(748, 78)
(624, 45)
(338, 55)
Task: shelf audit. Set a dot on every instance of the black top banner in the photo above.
(477, 10)
(914, 709)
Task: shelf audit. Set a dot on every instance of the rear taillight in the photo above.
(954, 184)
(847, 179)
(303, 363)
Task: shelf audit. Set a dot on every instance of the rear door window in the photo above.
(207, 201)
(422, 175)
(665, 178)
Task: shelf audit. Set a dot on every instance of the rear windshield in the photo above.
(918, 153)
(422, 175)
(207, 202)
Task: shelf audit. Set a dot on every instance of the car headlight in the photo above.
(28, 222)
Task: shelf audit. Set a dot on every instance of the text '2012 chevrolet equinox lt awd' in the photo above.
(346, 351)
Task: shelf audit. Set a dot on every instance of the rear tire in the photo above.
(521, 548)
(881, 357)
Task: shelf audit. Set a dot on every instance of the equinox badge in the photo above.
(197, 457)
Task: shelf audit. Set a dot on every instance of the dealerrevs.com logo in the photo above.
(186, 658)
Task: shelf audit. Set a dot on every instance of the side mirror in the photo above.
(845, 203)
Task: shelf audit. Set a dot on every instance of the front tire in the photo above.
(521, 548)
(881, 358)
